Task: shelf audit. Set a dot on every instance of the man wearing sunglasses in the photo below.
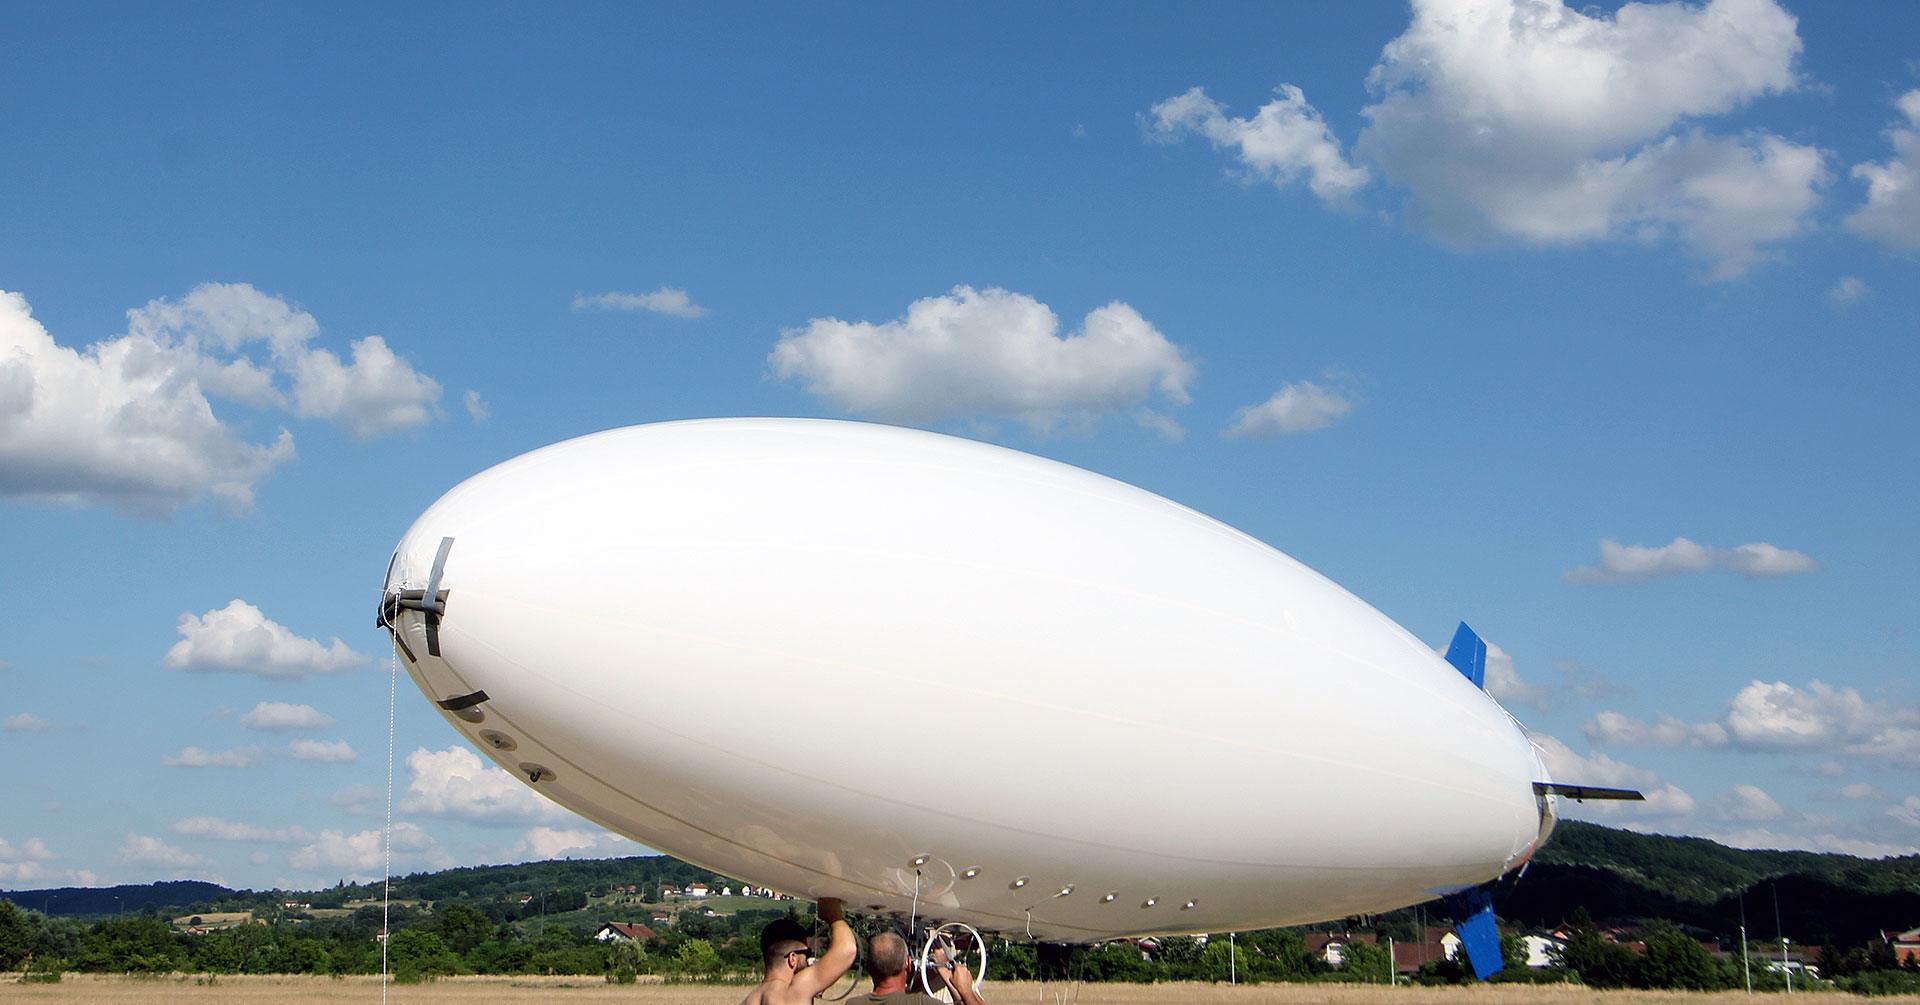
(790, 980)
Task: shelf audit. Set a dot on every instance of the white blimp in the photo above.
(947, 679)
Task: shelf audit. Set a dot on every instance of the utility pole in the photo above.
(1233, 961)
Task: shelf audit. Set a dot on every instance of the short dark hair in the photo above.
(781, 930)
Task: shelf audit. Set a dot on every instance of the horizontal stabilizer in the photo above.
(1583, 792)
(1469, 655)
(1479, 934)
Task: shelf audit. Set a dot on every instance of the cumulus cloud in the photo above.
(139, 849)
(1295, 408)
(322, 751)
(129, 422)
(278, 715)
(989, 354)
(665, 300)
(126, 423)
(1907, 811)
(218, 829)
(1891, 215)
(1284, 141)
(1614, 729)
(1776, 717)
(477, 408)
(455, 783)
(1635, 563)
(550, 842)
(1529, 120)
(32, 850)
(194, 757)
(26, 863)
(27, 722)
(238, 638)
(361, 855)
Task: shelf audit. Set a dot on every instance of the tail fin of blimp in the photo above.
(1469, 656)
(1479, 934)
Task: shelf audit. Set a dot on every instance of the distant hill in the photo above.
(1614, 874)
(128, 898)
(1820, 898)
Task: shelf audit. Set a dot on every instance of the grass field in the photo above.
(90, 988)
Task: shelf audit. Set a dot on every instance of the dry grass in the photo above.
(303, 990)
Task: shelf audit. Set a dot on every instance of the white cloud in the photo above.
(227, 830)
(1285, 140)
(130, 421)
(1295, 408)
(1777, 716)
(455, 783)
(1747, 803)
(1614, 729)
(33, 850)
(665, 300)
(194, 757)
(987, 353)
(322, 751)
(27, 722)
(477, 408)
(1849, 290)
(377, 393)
(1907, 811)
(1892, 211)
(239, 638)
(139, 849)
(1635, 563)
(1531, 121)
(362, 854)
(550, 842)
(127, 423)
(276, 715)
(25, 865)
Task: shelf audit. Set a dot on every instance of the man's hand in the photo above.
(829, 910)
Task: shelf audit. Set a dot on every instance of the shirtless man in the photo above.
(891, 967)
(789, 980)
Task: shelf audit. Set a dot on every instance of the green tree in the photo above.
(1366, 961)
(697, 958)
(134, 943)
(415, 953)
(1119, 961)
(1674, 959)
(1599, 963)
(17, 933)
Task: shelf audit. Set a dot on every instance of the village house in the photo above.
(1906, 945)
(625, 930)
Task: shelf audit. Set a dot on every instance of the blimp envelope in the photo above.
(938, 677)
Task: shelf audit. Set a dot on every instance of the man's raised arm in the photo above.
(839, 955)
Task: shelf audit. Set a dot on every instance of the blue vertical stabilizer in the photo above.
(1469, 655)
(1473, 917)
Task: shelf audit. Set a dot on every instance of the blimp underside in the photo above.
(937, 677)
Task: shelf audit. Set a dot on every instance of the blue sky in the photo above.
(1593, 328)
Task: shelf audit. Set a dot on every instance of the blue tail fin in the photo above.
(1479, 933)
(1469, 655)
